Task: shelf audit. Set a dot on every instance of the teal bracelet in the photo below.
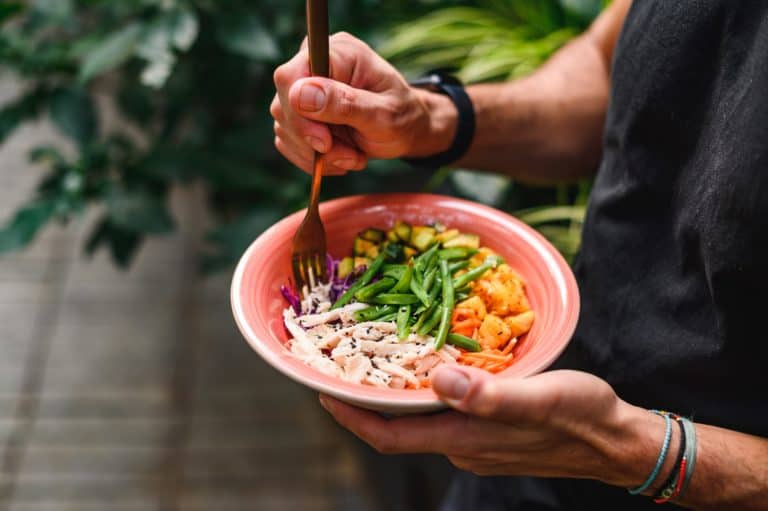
(660, 461)
(690, 447)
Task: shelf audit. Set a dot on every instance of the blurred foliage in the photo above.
(193, 80)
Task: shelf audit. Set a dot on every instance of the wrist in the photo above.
(632, 448)
(436, 125)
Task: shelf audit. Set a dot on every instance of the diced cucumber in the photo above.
(346, 266)
(403, 230)
(463, 240)
(363, 247)
(394, 251)
(374, 235)
(447, 235)
(422, 237)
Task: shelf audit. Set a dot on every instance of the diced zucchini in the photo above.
(394, 251)
(362, 261)
(374, 235)
(463, 240)
(439, 227)
(346, 266)
(403, 230)
(409, 252)
(447, 235)
(362, 247)
(422, 237)
(392, 236)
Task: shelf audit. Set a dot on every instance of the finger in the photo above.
(314, 134)
(482, 394)
(410, 434)
(333, 102)
(287, 149)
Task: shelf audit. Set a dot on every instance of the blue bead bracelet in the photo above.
(660, 461)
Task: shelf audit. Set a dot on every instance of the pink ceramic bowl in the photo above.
(257, 303)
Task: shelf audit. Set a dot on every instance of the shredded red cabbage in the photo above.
(292, 297)
(339, 285)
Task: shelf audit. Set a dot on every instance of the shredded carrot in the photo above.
(510, 345)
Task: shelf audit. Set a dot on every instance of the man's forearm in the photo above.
(731, 470)
(548, 126)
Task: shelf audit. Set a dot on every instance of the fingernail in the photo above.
(311, 98)
(451, 384)
(316, 143)
(345, 163)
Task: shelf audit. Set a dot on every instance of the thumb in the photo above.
(482, 394)
(333, 102)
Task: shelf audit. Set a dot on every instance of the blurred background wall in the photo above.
(136, 163)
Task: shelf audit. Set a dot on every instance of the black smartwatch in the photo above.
(449, 85)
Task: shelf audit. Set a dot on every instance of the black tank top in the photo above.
(673, 269)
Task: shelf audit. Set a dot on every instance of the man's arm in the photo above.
(564, 424)
(548, 126)
(544, 128)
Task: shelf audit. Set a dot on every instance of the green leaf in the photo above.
(246, 35)
(486, 188)
(138, 211)
(25, 108)
(8, 9)
(122, 243)
(25, 224)
(112, 52)
(74, 113)
(183, 28)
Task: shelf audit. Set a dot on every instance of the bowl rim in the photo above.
(377, 402)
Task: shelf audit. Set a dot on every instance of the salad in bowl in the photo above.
(414, 281)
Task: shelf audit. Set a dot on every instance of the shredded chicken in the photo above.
(369, 352)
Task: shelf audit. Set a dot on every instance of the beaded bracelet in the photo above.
(690, 455)
(659, 462)
(671, 486)
(682, 470)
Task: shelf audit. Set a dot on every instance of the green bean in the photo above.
(394, 271)
(418, 290)
(448, 297)
(395, 299)
(429, 279)
(403, 316)
(389, 317)
(463, 280)
(464, 342)
(420, 262)
(453, 268)
(430, 323)
(404, 283)
(371, 290)
(372, 313)
(361, 282)
(424, 316)
(460, 297)
(452, 254)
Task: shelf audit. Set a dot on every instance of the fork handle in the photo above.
(317, 33)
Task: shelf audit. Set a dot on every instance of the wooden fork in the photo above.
(309, 251)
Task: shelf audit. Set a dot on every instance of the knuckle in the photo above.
(275, 109)
(280, 76)
(345, 102)
(488, 398)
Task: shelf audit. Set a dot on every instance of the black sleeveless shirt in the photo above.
(673, 269)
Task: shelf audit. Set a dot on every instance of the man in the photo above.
(672, 267)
